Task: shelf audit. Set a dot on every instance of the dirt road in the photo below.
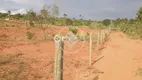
(121, 59)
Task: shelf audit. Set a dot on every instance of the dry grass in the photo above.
(10, 23)
(12, 67)
(16, 67)
(19, 67)
(139, 72)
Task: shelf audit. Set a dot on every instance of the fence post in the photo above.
(58, 64)
(90, 51)
(109, 29)
(101, 37)
(98, 41)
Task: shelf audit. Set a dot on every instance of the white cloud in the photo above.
(21, 11)
(3, 11)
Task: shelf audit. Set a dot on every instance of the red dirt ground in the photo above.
(119, 59)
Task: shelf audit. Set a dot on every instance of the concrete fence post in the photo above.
(90, 51)
(58, 63)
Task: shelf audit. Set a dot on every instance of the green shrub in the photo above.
(106, 22)
(31, 23)
(73, 30)
(29, 35)
(133, 30)
(96, 25)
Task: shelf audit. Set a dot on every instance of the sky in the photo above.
(89, 9)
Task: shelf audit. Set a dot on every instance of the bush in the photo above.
(82, 36)
(31, 23)
(29, 35)
(96, 25)
(73, 30)
(106, 22)
(131, 27)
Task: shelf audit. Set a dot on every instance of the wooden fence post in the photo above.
(58, 64)
(90, 51)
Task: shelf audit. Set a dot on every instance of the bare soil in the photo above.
(23, 59)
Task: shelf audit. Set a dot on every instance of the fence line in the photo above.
(59, 46)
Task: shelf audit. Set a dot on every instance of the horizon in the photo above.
(93, 9)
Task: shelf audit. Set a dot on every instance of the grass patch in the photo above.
(29, 35)
(11, 23)
(73, 30)
(12, 67)
(139, 72)
(18, 67)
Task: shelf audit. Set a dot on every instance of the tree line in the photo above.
(48, 15)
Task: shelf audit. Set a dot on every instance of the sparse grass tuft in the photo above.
(18, 67)
(29, 35)
(4, 59)
(139, 72)
(11, 67)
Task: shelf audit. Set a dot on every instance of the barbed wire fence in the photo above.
(95, 41)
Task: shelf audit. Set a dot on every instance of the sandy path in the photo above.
(122, 58)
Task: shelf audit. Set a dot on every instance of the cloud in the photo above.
(33, 3)
(21, 11)
(3, 11)
(26, 4)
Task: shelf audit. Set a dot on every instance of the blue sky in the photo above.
(89, 9)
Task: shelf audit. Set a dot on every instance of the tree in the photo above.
(3, 15)
(17, 16)
(69, 22)
(80, 16)
(117, 21)
(31, 15)
(106, 22)
(9, 13)
(139, 14)
(44, 12)
(54, 10)
(65, 15)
